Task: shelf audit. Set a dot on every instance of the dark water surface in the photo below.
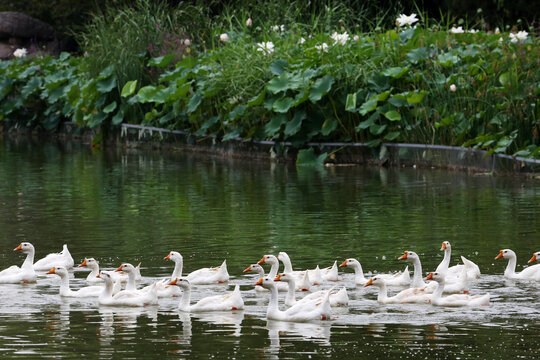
(135, 206)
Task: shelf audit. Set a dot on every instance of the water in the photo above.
(136, 206)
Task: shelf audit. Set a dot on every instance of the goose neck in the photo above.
(177, 272)
(511, 266)
(290, 298)
(29, 261)
(185, 299)
(418, 281)
(383, 293)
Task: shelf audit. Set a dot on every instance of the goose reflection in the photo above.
(315, 332)
(232, 320)
(124, 318)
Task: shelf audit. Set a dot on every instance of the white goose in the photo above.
(161, 287)
(316, 275)
(259, 269)
(339, 298)
(535, 257)
(407, 296)
(203, 276)
(227, 302)
(456, 299)
(23, 274)
(88, 291)
(473, 271)
(402, 278)
(300, 312)
(529, 273)
(125, 297)
(92, 278)
(303, 282)
(62, 258)
(459, 285)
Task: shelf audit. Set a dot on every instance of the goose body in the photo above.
(529, 273)
(23, 274)
(88, 291)
(455, 299)
(317, 276)
(125, 297)
(204, 276)
(161, 287)
(407, 296)
(339, 298)
(401, 278)
(62, 258)
(473, 271)
(300, 312)
(230, 301)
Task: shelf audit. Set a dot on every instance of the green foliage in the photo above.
(407, 85)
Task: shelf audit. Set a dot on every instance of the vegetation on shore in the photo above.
(327, 79)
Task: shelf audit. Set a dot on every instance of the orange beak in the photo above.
(173, 282)
(430, 276)
(403, 257)
(259, 282)
(532, 259)
(248, 269)
(119, 268)
(343, 264)
(52, 271)
(18, 247)
(278, 277)
(499, 256)
(261, 261)
(369, 282)
(83, 263)
(98, 275)
(443, 247)
(168, 257)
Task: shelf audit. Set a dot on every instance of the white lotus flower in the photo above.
(340, 39)
(224, 37)
(520, 36)
(22, 52)
(403, 19)
(453, 88)
(457, 30)
(322, 48)
(266, 47)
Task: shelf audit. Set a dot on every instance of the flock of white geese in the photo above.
(120, 287)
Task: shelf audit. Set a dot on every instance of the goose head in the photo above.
(180, 282)
(437, 276)
(375, 281)
(25, 247)
(349, 263)
(446, 245)
(89, 262)
(254, 267)
(265, 282)
(174, 256)
(283, 256)
(535, 257)
(58, 270)
(105, 276)
(268, 259)
(288, 278)
(409, 256)
(126, 267)
(506, 253)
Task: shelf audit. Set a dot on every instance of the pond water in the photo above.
(136, 206)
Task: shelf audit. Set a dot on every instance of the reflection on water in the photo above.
(132, 206)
